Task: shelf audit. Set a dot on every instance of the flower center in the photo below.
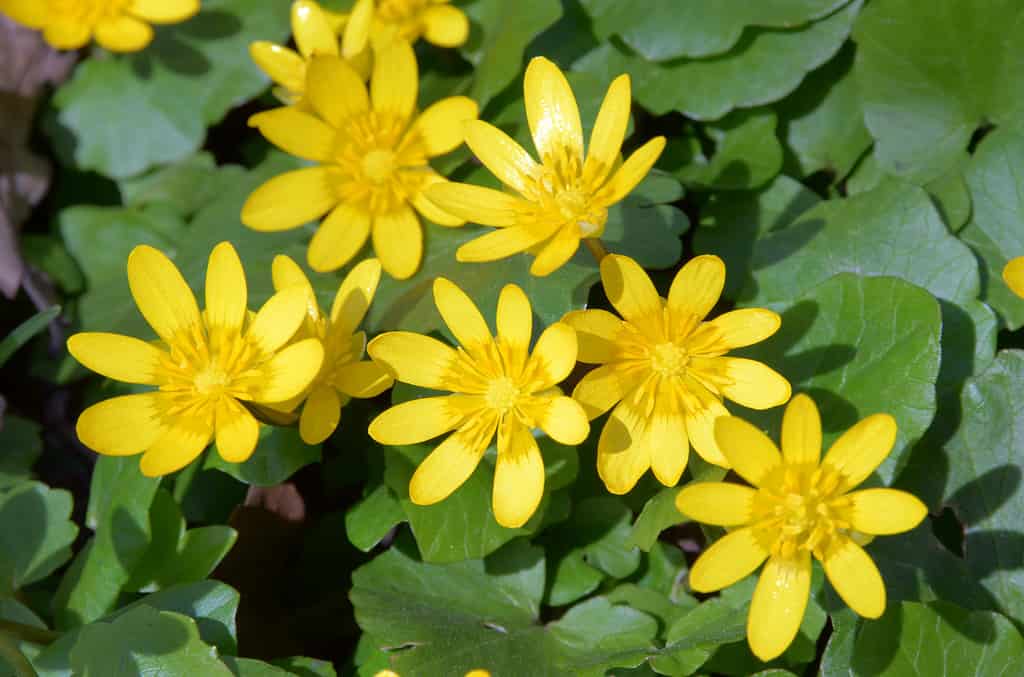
(373, 174)
(502, 394)
(800, 507)
(561, 188)
(211, 380)
(378, 165)
(668, 359)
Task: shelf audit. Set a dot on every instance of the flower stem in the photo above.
(27, 633)
(10, 652)
(596, 248)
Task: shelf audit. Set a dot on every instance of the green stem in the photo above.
(27, 633)
(596, 248)
(10, 652)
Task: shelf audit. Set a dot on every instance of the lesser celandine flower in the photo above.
(497, 385)
(436, 21)
(667, 370)
(373, 152)
(207, 365)
(1013, 275)
(800, 506)
(564, 198)
(314, 35)
(117, 25)
(344, 373)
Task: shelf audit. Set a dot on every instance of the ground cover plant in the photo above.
(492, 338)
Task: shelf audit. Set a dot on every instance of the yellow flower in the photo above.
(208, 364)
(373, 152)
(343, 373)
(498, 386)
(1013, 275)
(117, 25)
(314, 35)
(667, 369)
(561, 200)
(801, 506)
(435, 20)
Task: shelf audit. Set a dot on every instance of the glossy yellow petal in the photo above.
(1013, 275)
(551, 110)
(357, 29)
(862, 448)
(609, 131)
(236, 431)
(284, 273)
(562, 418)
(121, 426)
(514, 321)
(123, 33)
(227, 296)
(518, 475)
(778, 605)
(161, 293)
(67, 34)
(394, 85)
(723, 504)
(320, 415)
(855, 577)
(312, 32)
(729, 559)
(697, 286)
(556, 253)
(738, 328)
(498, 244)
(462, 316)
(596, 333)
(752, 384)
(296, 132)
(750, 452)
(398, 242)
(362, 379)
(414, 358)
(425, 206)
(335, 90)
(420, 420)
(477, 204)
(600, 389)
(440, 126)
(281, 64)
(801, 431)
(633, 294)
(445, 26)
(339, 238)
(163, 11)
(31, 13)
(122, 358)
(632, 431)
(632, 171)
(452, 462)
(180, 444)
(355, 295)
(290, 200)
(278, 319)
(290, 371)
(504, 157)
(622, 470)
(700, 427)
(553, 357)
(885, 511)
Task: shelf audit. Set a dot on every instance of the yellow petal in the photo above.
(752, 384)
(556, 252)
(357, 30)
(452, 462)
(296, 132)
(515, 327)
(227, 297)
(335, 90)
(622, 470)
(237, 431)
(121, 426)
(596, 332)
(277, 321)
(885, 511)
(420, 420)
(732, 557)
(498, 244)
(339, 238)
(445, 26)
(161, 293)
(632, 171)
(751, 453)
(700, 426)
(320, 415)
(122, 358)
(600, 389)
(477, 204)
(855, 577)
(123, 33)
(394, 85)
(801, 431)
(312, 32)
(778, 605)
(670, 449)
(362, 379)
(633, 294)
(290, 371)
(739, 328)
(862, 448)
(281, 64)
(462, 316)
(426, 207)
(355, 295)
(398, 242)
(1013, 275)
(697, 286)
(179, 445)
(631, 431)
(551, 110)
(286, 273)
(563, 419)
(622, 458)
(163, 11)
(441, 125)
(31, 13)
(67, 34)
(609, 131)
(553, 357)
(518, 475)
(504, 157)
(290, 200)
(413, 358)
(720, 503)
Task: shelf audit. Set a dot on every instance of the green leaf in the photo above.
(306, 667)
(692, 639)
(747, 153)
(372, 517)
(249, 667)
(938, 639)
(25, 331)
(144, 641)
(280, 452)
(659, 513)
(20, 440)
(36, 533)
(697, 30)
(930, 73)
(124, 114)
(187, 186)
(707, 89)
